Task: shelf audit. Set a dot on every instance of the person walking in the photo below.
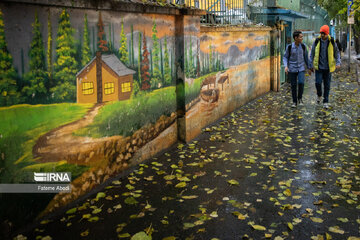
(325, 58)
(295, 60)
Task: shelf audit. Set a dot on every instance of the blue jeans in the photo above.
(297, 80)
(325, 77)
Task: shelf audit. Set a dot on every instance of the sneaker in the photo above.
(293, 105)
(318, 99)
(301, 103)
(326, 105)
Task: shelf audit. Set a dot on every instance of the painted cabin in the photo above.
(105, 78)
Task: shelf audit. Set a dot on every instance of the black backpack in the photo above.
(289, 49)
(332, 42)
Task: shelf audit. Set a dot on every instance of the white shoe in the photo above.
(293, 105)
(318, 99)
(326, 105)
(301, 103)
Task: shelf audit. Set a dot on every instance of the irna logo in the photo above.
(52, 177)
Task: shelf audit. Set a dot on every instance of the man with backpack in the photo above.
(325, 58)
(295, 60)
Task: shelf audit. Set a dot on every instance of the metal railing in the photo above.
(251, 11)
(220, 11)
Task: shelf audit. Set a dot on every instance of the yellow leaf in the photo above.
(291, 227)
(353, 238)
(336, 229)
(317, 220)
(328, 236)
(180, 185)
(189, 197)
(169, 238)
(344, 220)
(169, 177)
(287, 192)
(242, 217)
(259, 227)
(233, 182)
(268, 235)
(85, 233)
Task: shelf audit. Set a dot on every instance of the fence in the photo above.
(221, 11)
(249, 11)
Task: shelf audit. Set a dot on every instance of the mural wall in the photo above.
(225, 68)
(81, 91)
(94, 92)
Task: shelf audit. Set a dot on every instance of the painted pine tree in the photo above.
(102, 43)
(8, 85)
(36, 88)
(85, 51)
(22, 62)
(132, 46)
(167, 70)
(186, 67)
(139, 59)
(145, 75)
(65, 67)
(123, 52)
(93, 41)
(190, 59)
(151, 63)
(49, 52)
(161, 64)
(110, 41)
(156, 73)
(198, 59)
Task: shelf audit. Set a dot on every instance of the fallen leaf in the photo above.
(141, 236)
(317, 220)
(258, 227)
(233, 182)
(336, 229)
(181, 185)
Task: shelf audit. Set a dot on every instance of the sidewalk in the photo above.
(264, 171)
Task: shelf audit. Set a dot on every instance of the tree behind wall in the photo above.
(8, 85)
(65, 66)
(85, 51)
(37, 84)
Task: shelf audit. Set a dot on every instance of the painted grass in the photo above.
(123, 118)
(21, 126)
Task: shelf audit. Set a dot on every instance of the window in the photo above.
(126, 87)
(109, 88)
(87, 88)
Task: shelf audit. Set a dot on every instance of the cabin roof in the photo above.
(112, 62)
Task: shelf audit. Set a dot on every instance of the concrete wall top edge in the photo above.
(113, 5)
(233, 28)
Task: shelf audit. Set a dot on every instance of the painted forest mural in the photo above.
(43, 128)
(49, 69)
(52, 79)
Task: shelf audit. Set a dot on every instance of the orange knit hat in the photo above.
(325, 29)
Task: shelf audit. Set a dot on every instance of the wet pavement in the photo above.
(264, 171)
